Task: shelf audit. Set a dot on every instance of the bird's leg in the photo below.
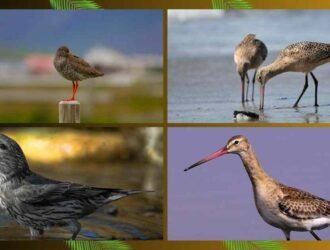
(262, 96)
(303, 91)
(316, 85)
(35, 232)
(247, 87)
(74, 227)
(75, 89)
(314, 235)
(287, 235)
(253, 81)
(243, 87)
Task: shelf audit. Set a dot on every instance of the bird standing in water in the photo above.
(73, 68)
(41, 203)
(281, 206)
(250, 53)
(298, 57)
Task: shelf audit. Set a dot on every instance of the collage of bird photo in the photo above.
(170, 125)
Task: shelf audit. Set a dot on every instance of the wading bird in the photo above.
(283, 207)
(298, 57)
(250, 53)
(73, 68)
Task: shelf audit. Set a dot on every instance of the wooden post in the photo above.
(69, 112)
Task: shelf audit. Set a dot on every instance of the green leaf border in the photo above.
(253, 245)
(74, 4)
(97, 245)
(231, 4)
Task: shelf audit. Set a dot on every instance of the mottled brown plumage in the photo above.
(250, 53)
(73, 68)
(283, 207)
(298, 57)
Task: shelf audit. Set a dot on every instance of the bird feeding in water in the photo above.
(73, 68)
(41, 203)
(298, 57)
(250, 53)
(283, 207)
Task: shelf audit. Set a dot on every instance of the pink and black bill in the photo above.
(216, 154)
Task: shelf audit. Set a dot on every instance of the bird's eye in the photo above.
(3, 147)
(236, 142)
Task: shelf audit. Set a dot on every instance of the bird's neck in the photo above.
(275, 69)
(14, 177)
(258, 176)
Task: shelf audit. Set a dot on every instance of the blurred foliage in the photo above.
(135, 104)
(98, 145)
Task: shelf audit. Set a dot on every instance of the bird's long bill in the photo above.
(216, 154)
(262, 96)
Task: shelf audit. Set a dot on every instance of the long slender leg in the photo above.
(75, 89)
(287, 234)
(247, 86)
(243, 87)
(253, 81)
(314, 235)
(35, 232)
(74, 228)
(303, 91)
(316, 82)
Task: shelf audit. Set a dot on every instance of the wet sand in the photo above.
(207, 89)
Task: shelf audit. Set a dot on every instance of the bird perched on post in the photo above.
(41, 203)
(73, 68)
(250, 53)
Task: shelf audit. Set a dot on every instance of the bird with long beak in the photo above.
(283, 207)
(250, 53)
(298, 57)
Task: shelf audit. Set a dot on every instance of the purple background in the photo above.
(214, 201)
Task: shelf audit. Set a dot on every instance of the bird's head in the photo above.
(235, 145)
(63, 51)
(12, 159)
(263, 75)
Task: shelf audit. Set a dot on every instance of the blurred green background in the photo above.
(128, 158)
(126, 45)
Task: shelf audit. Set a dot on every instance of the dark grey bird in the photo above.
(41, 203)
(73, 68)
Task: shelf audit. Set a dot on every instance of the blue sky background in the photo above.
(130, 31)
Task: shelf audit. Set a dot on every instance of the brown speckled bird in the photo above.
(250, 53)
(73, 68)
(283, 207)
(298, 57)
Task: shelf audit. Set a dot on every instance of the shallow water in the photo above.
(136, 217)
(208, 90)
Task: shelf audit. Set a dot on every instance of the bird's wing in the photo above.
(261, 48)
(302, 205)
(64, 191)
(82, 66)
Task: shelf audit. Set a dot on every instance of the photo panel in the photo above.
(210, 172)
(93, 67)
(63, 183)
(261, 66)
